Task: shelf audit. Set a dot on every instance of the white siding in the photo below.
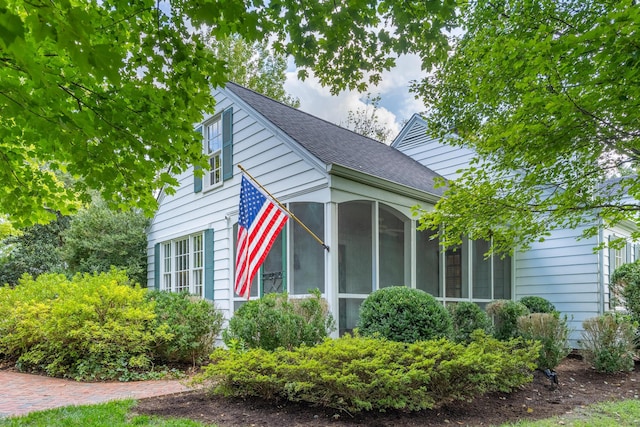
(270, 159)
(565, 271)
(444, 159)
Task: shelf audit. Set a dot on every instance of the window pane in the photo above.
(391, 237)
(166, 267)
(349, 312)
(427, 263)
(456, 274)
(273, 272)
(481, 270)
(182, 265)
(355, 260)
(308, 254)
(214, 135)
(502, 277)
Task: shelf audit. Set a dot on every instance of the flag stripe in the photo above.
(259, 223)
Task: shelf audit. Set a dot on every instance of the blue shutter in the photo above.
(612, 258)
(227, 144)
(197, 180)
(156, 264)
(208, 264)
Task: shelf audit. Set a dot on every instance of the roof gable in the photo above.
(334, 145)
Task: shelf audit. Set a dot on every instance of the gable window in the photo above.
(183, 265)
(213, 149)
(217, 142)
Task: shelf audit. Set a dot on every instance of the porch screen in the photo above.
(308, 255)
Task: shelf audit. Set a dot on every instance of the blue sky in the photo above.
(396, 105)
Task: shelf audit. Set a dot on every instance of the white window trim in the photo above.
(206, 179)
(194, 269)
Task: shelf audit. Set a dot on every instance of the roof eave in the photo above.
(381, 183)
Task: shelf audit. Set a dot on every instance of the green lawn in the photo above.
(116, 414)
(112, 414)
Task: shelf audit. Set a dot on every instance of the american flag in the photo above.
(259, 223)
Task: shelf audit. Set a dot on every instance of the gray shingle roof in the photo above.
(335, 145)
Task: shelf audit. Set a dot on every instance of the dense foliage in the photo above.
(34, 251)
(99, 238)
(608, 342)
(552, 331)
(93, 327)
(108, 91)
(403, 314)
(537, 304)
(545, 93)
(466, 318)
(275, 321)
(505, 315)
(625, 283)
(192, 323)
(356, 374)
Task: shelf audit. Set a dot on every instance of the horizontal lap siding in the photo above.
(269, 159)
(444, 159)
(565, 271)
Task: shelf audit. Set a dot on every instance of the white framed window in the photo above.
(183, 265)
(213, 150)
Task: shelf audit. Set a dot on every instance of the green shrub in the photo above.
(505, 315)
(276, 321)
(468, 317)
(537, 304)
(89, 327)
(552, 332)
(607, 342)
(403, 314)
(193, 324)
(356, 374)
(625, 282)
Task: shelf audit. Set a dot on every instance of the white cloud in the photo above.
(396, 105)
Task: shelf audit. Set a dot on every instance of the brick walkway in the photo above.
(23, 393)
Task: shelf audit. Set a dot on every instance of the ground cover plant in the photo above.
(354, 374)
(579, 386)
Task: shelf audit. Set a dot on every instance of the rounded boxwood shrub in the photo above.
(537, 304)
(505, 315)
(275, 321)
(403, 314)
(468, 317)
(192, 323)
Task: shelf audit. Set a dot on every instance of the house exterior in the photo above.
(356, 194)
(564, 269)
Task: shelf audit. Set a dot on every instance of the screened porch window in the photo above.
(308, 255)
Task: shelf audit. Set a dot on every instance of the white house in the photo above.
(563, 269)
(356, 194)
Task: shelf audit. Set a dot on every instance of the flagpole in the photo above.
(285, 209)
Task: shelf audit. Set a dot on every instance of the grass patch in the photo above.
(625, 413)
(112, 414)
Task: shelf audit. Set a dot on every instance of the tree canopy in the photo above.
(107, 91)
(547, 93)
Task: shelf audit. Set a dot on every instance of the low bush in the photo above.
(505, 315)
(275, 321)
(93, 327)
(625, 282)
(536, 304)
(607, 342)
(193, 324)
(468, 317)
(403, 314)
(552, 332)
(356, 374)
